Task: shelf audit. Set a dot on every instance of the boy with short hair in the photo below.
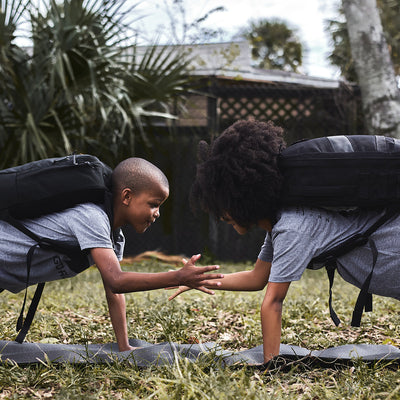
(238, 181)
(139, 189)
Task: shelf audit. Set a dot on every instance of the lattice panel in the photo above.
(265, 108)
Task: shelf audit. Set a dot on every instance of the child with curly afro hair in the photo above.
(238, 178)
(238, 181)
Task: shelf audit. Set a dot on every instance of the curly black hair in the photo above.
(238, 173)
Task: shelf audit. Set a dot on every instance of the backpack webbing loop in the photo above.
(331, 276)
(31, 313)
(23, 326)
(28, 266)
(364, 300)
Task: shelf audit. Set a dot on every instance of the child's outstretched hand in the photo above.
(182, 289)
(192, 277)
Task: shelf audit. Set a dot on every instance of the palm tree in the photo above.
(274, 45)
(78, 85)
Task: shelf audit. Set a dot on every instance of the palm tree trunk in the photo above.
(379, 90)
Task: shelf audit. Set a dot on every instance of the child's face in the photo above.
(241, 230)
(144, 208)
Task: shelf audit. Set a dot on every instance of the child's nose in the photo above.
(157, 214)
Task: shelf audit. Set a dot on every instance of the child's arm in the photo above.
(252, 280)
(125, 282)
(117, 309)
(271, 318)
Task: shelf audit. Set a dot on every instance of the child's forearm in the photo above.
(271, 318)
(271, 324)
(117, 310)
(256, 279)
(135, 281)
(243, 280)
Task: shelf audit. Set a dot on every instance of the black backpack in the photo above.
(344, 173)
(46, 186)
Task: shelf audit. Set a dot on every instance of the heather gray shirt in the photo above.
(300, 234)
(86, 225)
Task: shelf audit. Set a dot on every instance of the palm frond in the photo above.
(79, 87)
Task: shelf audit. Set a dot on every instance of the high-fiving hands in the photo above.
(192, 277)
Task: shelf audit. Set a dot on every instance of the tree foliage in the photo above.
(274, 45)
(341, 55)
(79, 84)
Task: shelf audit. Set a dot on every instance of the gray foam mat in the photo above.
(166, 353)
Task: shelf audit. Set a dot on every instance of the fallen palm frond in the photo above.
(155, 256)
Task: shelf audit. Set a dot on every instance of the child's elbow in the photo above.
(263, 282)
(272, 307)
(260, 285)
(113, 283)
(274, 302)
(114, 288)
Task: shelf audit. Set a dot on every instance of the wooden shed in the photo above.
(228, 88)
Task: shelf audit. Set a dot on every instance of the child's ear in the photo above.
(126, 196)
(203, 151)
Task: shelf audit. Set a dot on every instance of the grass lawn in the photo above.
(75, 311)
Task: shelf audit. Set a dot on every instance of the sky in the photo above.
(306, 16)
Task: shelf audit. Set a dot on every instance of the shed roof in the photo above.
(233, 61)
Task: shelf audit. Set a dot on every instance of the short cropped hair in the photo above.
(136, 174)
(238, 173)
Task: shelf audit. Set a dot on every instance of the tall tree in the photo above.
(340, 56)
(274, 45)
(374, 67)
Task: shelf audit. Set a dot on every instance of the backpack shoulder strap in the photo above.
(364, 300)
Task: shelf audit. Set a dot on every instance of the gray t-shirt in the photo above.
(86, 225)
(301, 234)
